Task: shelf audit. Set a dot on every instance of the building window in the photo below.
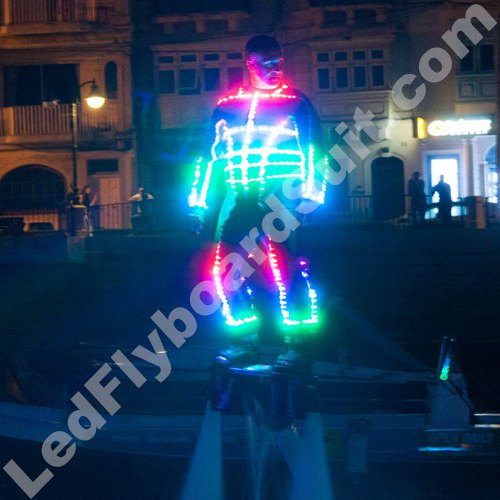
(188, 58)
(334, 18)
(359, 76)
(365, 17)
(166, 59)
(234, 77)
(341, 78)
(378, 77)
(211, 77)
(32, 85)
(486, 61)
(105, 165)
(323, 78)
(352, 70)
(166, 82)
(32, 187)
(467, 63)
(211, 57)
(235, 55)
(188, 82)
(185, 28)
(217, 26)
(111, 80)
(479, 59)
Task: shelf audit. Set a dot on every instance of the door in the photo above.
(113, 213)
(448, 167)
(388, 188)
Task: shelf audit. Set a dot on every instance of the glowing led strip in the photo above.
(248, 137)
(278, 279)
(202, 195)
(313, 296)
(269, 164)
(262, 151)
(226, 309)
(193, 196)
(278, 93)
(261, 129)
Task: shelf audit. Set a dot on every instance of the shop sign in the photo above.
(459, 127)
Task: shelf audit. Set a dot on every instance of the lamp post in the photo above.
(95, 100)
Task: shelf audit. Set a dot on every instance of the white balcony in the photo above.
(52, 123)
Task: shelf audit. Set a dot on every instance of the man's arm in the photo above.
(206, 163)
(312, 142)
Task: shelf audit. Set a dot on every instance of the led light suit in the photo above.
(259, 139)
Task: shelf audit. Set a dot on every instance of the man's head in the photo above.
(264, 59)
(416, 176)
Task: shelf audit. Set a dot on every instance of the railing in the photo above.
(34, 216)
(55, 119)
(168, 216)
(17, 12)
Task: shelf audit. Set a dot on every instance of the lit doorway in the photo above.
(448, 167)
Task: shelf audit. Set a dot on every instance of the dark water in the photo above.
(103, 475)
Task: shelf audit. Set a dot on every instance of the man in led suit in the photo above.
(260, 138)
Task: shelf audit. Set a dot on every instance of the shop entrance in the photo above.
(447, 166)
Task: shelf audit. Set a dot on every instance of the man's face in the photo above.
(265, 69)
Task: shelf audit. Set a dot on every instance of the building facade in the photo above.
(346, 56)
(162, 66)
(51, 51)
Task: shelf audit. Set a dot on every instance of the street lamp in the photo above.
(95, 100)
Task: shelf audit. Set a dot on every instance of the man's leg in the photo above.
(298, 304)
(240, 320)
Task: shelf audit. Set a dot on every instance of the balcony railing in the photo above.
(55, 120)
(19, 13)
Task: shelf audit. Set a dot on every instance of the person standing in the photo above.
(445, 202)
(141, 209)
(418, 201)
(90, 201)
(260, 137)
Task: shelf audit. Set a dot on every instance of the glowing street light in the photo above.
(95, 101)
